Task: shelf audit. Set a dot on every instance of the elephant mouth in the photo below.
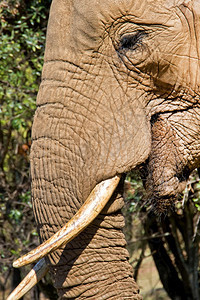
(162, 193)
(91, 208)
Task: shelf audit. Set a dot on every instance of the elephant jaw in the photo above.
(91, 208)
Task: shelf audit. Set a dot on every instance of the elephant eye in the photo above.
(132, 41)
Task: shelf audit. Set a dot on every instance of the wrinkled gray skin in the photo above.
(120, 84)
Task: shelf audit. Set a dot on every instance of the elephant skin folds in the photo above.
(95, 264)
(120, 88)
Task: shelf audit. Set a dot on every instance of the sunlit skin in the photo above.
(120, 88)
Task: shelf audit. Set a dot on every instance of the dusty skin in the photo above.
(120, 88)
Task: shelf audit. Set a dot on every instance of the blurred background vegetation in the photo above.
(171, 242)
(22, 31)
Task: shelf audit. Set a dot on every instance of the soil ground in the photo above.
(149, 282)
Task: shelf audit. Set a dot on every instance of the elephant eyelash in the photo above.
(131, 41)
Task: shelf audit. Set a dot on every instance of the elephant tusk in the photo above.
(85, 215)
(31, 279)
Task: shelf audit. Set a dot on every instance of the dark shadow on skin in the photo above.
(75, 248)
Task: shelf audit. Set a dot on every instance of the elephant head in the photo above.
(120, 87)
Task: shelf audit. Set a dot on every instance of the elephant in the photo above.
(120, 89)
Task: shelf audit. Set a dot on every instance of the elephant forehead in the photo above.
(80, 24)
(143, 9)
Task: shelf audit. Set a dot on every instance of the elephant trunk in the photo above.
(71, 154)
(94, 264)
